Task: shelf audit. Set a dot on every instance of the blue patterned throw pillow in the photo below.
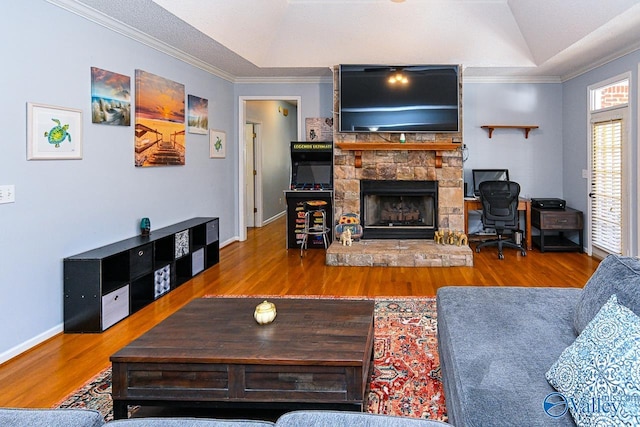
(599, 374)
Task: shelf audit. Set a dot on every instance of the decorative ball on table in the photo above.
(265, 312)
(145, 226)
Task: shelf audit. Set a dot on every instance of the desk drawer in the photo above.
(561, 221)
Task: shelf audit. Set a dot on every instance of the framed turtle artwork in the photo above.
(53, 133)
(217, 144)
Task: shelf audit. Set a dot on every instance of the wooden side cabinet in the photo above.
(553, 224)
(105, 285)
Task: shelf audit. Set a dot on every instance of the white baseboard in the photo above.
(27, 345)
(273, 218)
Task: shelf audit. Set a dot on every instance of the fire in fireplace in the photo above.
(398, 209)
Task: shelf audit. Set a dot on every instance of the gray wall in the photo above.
(535, 162)
(64, 207)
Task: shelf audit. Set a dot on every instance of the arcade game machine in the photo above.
(311, 179)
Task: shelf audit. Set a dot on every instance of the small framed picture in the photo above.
(53, 132)
(217, 144)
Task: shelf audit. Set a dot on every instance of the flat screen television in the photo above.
(399, 99)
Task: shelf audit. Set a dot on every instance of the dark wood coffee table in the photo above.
(316, 354)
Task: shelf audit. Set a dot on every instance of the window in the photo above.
(608, 203)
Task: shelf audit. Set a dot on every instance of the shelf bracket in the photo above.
(358, 158)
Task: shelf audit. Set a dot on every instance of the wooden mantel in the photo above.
(359, 147)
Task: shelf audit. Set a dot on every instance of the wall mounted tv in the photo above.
(408, 98)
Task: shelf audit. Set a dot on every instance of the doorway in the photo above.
(251, 131)
(246, 152)
(609, 168)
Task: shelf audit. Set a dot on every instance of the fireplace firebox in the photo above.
(398, 209)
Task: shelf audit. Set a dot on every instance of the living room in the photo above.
(64, 207)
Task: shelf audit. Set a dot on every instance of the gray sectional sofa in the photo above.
(89, 418)
(497, 343)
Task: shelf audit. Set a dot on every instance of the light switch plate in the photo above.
(7, 193)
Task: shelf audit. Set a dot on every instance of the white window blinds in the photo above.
(606, 186)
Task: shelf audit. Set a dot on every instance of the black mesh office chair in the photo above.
(500, 211)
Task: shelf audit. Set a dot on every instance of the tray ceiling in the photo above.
(553, 39)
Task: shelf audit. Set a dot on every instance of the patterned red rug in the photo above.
(406, 371)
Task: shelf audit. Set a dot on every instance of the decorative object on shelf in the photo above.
(110, 98)
(217, 144)
(160, 127)
(526, 128)
(162, 281)
(265, 312)
(198, 115)
(53, 132)
(403, 138)
(182, 244)
(145, 227)
(462, 239)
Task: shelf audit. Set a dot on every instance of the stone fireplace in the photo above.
(367, 157)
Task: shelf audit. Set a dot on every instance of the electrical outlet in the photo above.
(585, 173)
(7, 193)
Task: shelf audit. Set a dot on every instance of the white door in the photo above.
(249, 143)
(609, 184)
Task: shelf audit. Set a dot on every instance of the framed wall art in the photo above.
(217, 144)
(53, 133)
(110, 98)
(198, 115)
(160, 127)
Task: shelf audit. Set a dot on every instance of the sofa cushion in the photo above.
(602, 366)
(351, 419)
(495, 346)
(188, 422)
(615, 275)
(19, 417)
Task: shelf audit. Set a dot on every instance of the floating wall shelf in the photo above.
(526, 128)
(359, 147)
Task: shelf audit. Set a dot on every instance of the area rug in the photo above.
(405, 379)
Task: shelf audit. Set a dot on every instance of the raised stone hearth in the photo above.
(399, 253)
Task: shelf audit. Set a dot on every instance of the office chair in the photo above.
(500, 211)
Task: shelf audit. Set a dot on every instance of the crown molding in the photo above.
(603, 61)
(119, 27)
(283, 80)
(512, 79)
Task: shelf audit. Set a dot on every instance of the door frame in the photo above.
(255, 163)
(625, 113)
(242, 155)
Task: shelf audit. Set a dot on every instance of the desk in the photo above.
(524, 205)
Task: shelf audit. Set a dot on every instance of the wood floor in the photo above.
(261, 265)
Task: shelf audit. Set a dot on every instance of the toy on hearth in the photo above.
(345, 237)
(438, 237)
(351, 222)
